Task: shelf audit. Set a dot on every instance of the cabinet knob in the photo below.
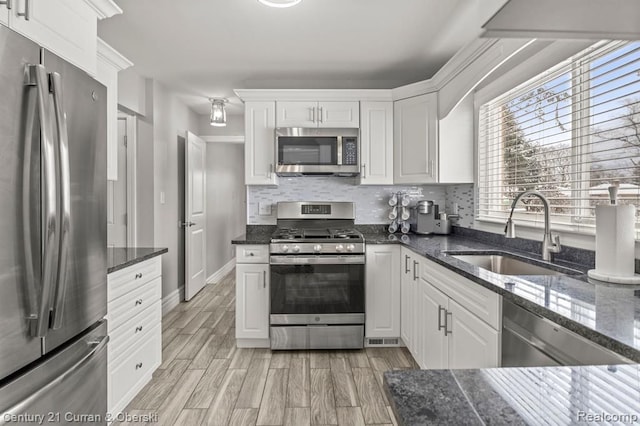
(138, 302)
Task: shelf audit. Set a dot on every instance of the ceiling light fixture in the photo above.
(280, 3)
(218, 112)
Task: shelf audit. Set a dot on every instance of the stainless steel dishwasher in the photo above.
(528, 340)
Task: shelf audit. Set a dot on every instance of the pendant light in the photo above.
(218, 112)
(280, 3)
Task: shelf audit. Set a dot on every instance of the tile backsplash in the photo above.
(463, 195)
(371, 201)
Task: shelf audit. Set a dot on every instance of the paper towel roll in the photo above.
(615, 243)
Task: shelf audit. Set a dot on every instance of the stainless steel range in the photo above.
(317, 277)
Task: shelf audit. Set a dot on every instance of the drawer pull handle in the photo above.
(138, 366)
(138, 275)
(138, 302)
(138, 328)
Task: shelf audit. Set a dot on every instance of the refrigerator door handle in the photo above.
(64, 185)
(36, 75)
(93, 348)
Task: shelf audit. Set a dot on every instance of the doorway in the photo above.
(121, 193)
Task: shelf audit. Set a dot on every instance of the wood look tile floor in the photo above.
(205, 380)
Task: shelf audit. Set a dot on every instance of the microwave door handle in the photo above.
(320, 115)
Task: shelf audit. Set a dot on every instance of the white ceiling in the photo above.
(207, 48)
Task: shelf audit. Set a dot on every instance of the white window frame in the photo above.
(556, 52)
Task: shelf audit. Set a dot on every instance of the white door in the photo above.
(117, 194)
(382, 291)
(259, 145)
(252, 301)
(432, 305)
(472, 342)
(339, 114)
(297, 114)
(195, 219)
(415, 139)
(376, 143)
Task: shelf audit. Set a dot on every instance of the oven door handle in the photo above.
(317, 260)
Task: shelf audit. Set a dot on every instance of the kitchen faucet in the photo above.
(550, 242)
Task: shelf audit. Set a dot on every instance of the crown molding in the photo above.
(223, 139)
(314, 94)
(111, 56)
(104, 8)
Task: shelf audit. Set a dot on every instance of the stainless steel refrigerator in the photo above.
(53, 270)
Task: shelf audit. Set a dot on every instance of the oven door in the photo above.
(317, 290)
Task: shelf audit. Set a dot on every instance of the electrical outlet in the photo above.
(264, 209)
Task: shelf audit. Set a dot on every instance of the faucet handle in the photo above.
(555, 243)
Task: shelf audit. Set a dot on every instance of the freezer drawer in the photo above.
(68, 387)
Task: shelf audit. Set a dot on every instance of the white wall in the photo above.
(226, 202)
(171, 119)
(234, 127)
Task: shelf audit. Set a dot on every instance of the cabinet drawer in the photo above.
(135, 329)
(478, 300)
(252, 253)
(125, 375)
(128, 279)
(133, 303)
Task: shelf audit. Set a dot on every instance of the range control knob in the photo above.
(317, 248)
(351, 247)
(296, 249)
(339, 248)
(285, 248)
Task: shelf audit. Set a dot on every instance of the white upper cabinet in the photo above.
(317, 114)
(428, 150)
(67, 28)
(415, 140)
(259, 146)
(376, 143)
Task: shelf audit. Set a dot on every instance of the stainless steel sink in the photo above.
(506, 264)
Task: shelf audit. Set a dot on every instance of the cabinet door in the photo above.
(415, 140)
(259, 145)
(339, 114)
(382, 290)
(252, 301)
(67, 28)
(408, 292)
(472, 342)
(4, 15)
(376, 143)
(297, 114)
(432, 342)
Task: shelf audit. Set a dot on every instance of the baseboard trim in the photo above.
(172, 300)
(253, 343)
(220, 273)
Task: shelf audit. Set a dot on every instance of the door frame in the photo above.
(131, 126)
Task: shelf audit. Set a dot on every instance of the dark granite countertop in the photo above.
(121, 257)
(516, 396)
(606, 314)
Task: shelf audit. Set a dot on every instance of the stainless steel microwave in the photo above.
(324, 151)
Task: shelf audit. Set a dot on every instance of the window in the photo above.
(570, 133)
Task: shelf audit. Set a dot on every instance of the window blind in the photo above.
(570, 133)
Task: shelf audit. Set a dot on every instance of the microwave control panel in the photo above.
(350, 151)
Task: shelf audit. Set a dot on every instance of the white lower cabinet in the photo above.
(408, 291)
(382, 291)
(252, 296)
(448, 322)
(134, 314)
